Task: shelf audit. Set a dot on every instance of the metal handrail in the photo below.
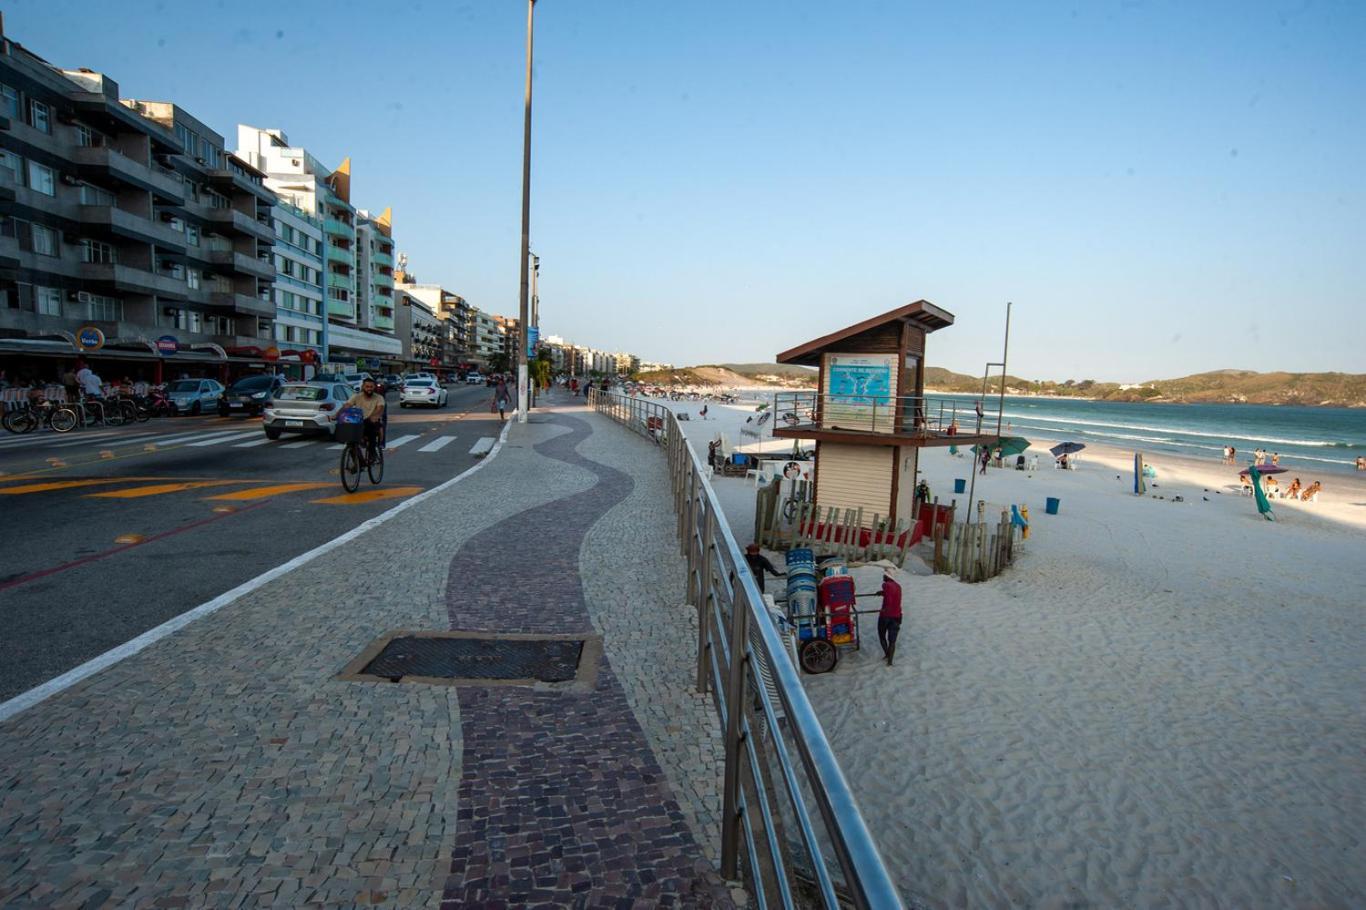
(899, 414)
(736, 633)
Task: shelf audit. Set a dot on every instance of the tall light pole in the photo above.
(523, 314)
(535, 310)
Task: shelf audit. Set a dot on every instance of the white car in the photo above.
(422, 391)
(305, 407)
(474, 379)
(355, 379)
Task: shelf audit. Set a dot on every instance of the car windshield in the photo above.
(253, 383)
(422, 383)
(301, 393)
(184, 385)
(354, 377)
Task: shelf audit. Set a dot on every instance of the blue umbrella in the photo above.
(1067, 448)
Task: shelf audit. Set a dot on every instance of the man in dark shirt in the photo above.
(889, 617)
(759, 564)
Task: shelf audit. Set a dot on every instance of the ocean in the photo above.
(1308, 439)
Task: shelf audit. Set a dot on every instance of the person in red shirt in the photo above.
(889, 617)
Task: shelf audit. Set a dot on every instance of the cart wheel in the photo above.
(818, 656)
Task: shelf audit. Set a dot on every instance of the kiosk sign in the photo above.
(858, 390)
(167, 344)
(90, 338)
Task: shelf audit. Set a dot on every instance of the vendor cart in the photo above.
(822, 612)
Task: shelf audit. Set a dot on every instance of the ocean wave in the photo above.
(1181, 447)
(1308, 443)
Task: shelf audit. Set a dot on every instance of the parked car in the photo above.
(194, 396)
(392, 381)
(473, 378)
(422, 391)
(305, 407)
(355, 379)
(248, 395)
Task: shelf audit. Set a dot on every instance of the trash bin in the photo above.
(1051, 505)
(960, 485)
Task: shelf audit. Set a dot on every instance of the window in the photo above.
(12, 163)
(287, 266)
(85, 136)
(41, 179)
(192, 278)
(191, 235)
(104, 309)
(47, 301)
(39, 115)
(189, 320)
(98, 251)
(187, 138)
(218, 325)
(217, 200)
(175, 270)
(44, 240)
(9, 102)
(94, 195)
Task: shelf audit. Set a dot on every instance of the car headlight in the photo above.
(258, 395)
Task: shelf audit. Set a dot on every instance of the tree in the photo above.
(498, 363)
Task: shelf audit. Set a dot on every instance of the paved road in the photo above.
(109, 533)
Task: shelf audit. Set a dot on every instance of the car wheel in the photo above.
(272, 433)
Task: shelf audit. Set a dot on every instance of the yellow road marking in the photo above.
(61, 485)
(158, 489)
(263, 492)
(129, 538)
(355, 499)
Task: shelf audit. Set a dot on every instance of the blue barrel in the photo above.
(960, 485)
(1050, 505)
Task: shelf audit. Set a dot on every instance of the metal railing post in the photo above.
(735, 701)
(704, 609)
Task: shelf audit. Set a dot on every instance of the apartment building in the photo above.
(374, 271)
(451, 309)
(300, 319)
(301, 180)
(128, 232)
(420, 331)
(485, 335)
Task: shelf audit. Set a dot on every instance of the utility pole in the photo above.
(523, 312)
(535, 311)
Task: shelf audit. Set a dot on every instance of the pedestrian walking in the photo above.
(501, 398)
(889, 617)
(759, 564)
(986, 457)
(703, 413)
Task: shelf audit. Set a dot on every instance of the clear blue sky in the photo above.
(1161, 188)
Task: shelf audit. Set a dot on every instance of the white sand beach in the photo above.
(1163, 703)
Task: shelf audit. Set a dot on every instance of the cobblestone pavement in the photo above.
(227, 766)
(562, 802)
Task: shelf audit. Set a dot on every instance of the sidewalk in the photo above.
(227, 765)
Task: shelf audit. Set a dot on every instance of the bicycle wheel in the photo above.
(128, 410)
(63, 420)
(141, 411)
(376, 467)
(19, 421)
(111, 415)
(350, 468)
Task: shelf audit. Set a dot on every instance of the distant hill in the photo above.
(785, 370)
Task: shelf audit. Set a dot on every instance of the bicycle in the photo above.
(46, 413)
(353, 459)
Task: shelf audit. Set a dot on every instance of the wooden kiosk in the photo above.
(869, 415)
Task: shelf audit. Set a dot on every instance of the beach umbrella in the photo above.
(1264, 469)
(1067, 448)
(1009, 445)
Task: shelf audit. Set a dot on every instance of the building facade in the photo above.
(452, 310)
(300, 323)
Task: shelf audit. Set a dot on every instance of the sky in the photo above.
(1159, 188)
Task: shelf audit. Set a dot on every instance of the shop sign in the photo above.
(271, 354)
(308, 355)
(90, 338)
(533, 335)
(168, 344)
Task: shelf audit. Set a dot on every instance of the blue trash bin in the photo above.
(960, 485)
(1051, 505)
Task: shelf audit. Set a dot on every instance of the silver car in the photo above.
(195, 396)
(305, 407)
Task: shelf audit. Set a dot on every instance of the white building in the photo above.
(299, 319)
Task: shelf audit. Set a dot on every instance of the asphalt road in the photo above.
(108, 533)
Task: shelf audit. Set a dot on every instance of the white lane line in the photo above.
(402, 440)
(186, 437)
(337, 448)
(436, 444)
(26, 700)
(300, 444)
(255, 442)
(18, 442)
(105, 442)
(222, 439)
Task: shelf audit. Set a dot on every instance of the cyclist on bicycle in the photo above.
(371, 404)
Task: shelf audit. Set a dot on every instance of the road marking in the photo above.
(58, 485)
(89, 441)
(337, 448)
(129, 538)
(158, 489)
(254, 442)
(24, 442)
(188, 437)
(437, 444)
(299, 445)
(222, 439)
(402, 440)
(264, 492)
(356, 499)
(37, 694)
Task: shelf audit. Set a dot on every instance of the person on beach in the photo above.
(759, 564)
(1311, 492)
(1293, 491)
(889, 617)
(501, 398)
(703, 413)
(711, 455)
(986, 457)
(1275, 458)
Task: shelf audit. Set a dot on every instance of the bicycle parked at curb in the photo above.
(363, 449)
(39, 413)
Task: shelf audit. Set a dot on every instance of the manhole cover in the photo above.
(479, 658)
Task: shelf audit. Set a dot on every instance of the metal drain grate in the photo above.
(469, 658)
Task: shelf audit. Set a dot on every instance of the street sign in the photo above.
(533, 335)
(90, 338)
(167, 344)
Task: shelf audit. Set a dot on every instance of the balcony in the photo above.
(338, 227)
(340, 255)
(335, 280)
(245, 304)
(237, 221)
(379, 259)
(241, 262)
(885, 419)
(110, 220)
(124, 278)
(223, 178)
(105, 162)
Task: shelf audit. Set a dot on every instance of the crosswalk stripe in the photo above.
(186, 437)
(402, 440)
(44, 437)
(252, 442)
(89, 441)
(300, 444)
(436, 444)
(222, 439)
(337, 448)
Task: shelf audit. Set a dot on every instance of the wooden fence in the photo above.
(974, 551)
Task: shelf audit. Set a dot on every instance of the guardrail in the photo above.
(778, 761)
(896, 414)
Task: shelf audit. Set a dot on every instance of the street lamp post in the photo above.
(535, 311)
(526, 228)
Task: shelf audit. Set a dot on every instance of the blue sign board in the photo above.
(168, 344)
(90, 338)
(860, 383)
(533, 335)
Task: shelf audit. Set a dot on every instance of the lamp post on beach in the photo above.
(523, 302)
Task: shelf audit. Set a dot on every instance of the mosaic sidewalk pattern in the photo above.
(561, 802)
